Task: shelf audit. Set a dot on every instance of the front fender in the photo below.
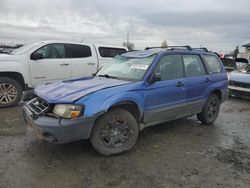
(10, 66)
(95, 106)
(16, 67)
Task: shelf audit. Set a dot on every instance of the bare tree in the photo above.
(129, 45)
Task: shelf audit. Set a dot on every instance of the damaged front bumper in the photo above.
(59, 130)
(241, 92)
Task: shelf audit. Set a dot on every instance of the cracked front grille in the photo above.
(38, 106)
(239, 84)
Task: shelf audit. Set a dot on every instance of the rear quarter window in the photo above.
(213, 64)
(110, 52)
(80, 51)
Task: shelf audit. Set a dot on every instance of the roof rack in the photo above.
(203, 48)
(186, 46)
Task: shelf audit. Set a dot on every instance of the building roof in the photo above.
(246, 45)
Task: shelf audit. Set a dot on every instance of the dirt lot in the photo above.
(182, 153)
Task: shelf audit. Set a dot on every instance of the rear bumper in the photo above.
(59, 130)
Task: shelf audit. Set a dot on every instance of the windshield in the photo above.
(244, 69)
(125, 68)
(24, 49)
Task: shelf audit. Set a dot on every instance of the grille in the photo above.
(38, 105)
(239, 84)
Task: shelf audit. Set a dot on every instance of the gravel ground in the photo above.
(181, 153)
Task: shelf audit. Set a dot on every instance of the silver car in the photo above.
(239, 82)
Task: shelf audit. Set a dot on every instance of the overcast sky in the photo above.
(216, 24)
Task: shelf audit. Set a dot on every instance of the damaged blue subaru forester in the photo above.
(138, 89)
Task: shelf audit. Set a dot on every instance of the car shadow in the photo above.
(43, 149)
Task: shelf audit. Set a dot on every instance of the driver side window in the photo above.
(52, 51)
(170, 67)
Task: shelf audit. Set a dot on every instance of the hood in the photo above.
(240, 77)
(69, 91)
(7, 57)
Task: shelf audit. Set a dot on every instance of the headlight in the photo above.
(68, 111)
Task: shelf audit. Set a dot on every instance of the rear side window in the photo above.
(213, 64)
(193, 66)
(110, 52)
(79, 51)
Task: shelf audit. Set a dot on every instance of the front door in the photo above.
(53, 66)
(165, 99)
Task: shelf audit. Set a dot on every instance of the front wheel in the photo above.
(10, 92)
(114, 132)
(210, 110)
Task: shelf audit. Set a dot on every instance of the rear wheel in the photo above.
(114, 132)
(210, 110)
(10, 92)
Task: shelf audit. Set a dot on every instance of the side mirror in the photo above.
(155, 77)
(36, 56)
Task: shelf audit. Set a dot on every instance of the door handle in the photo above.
(208, 80)
(179, 84)
(91, 63)
(64, 64)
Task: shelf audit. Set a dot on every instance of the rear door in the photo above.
(53, 66)
(83, 59)
(218, 78)
(197, 80)
(165, 99)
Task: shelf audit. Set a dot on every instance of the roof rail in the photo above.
(186, 46)
(203, 48)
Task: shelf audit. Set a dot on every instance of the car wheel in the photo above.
(114, 132)
(210, 110)
(10, 92)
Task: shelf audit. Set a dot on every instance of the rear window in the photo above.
(213, 64)
(110, 52)
(79, 51)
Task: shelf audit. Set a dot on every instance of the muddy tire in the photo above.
(210, 110)
(10, 92)
(115, 132)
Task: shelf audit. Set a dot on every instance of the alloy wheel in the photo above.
(212, 109)
(8, 93)
(115, 132)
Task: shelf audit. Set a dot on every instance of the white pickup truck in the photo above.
(40, 62)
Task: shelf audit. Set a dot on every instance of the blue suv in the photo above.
(138, 89)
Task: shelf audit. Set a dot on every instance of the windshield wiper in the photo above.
(108, 76)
